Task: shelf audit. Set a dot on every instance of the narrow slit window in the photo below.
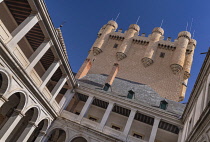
(115, 45)
(137, 136)
(93, 118)
(115, 127)
(162, 55)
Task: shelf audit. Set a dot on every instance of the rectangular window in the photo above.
(115, 45)
(115, 127)
(93, 118)
(162, 55)
(77, 113)
(137, 136)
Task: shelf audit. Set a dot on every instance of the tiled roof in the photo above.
(143, 93)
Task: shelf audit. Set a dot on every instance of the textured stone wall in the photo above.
(158, 75)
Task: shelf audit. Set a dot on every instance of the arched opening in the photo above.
(3, 83)
(57, 135)
(17, 100)
(30, 117)
(42, 126)
(79, 139)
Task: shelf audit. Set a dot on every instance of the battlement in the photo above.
(161, 63)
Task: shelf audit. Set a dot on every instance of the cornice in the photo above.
(197, 87)
(147, 110)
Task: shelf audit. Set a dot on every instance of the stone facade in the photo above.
(149, 60)
(42, 101)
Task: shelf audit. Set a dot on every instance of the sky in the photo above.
(84, 18)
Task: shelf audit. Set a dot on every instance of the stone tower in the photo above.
(162, 64)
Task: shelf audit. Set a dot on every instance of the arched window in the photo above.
(79, 139)
(57, 135)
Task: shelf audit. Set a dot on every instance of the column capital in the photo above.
(36, 13)
(19, 112)
(111, 102)
(133, 109)
(157, 118)
(3, 99)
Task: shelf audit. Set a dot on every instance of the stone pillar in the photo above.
(180, 135)
(49, 73)
(41, 137)
(2, 100)
(128, 124)
(85, 108)
(106, 116)
(112, 74)
(66, 99)
(84, 69)
(10, 125)
(38, 54)
(23, 29)
(58, 87)
(27, 132)
(154, 129)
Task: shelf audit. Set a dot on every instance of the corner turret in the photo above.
(102, 36)
(148, 58)
(179, 54)
(132, 30)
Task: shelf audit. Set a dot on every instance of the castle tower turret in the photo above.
(102, 36)
(189, 58)
(148, 58)
(132, 30)
(179, 54)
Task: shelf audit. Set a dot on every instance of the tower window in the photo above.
(163, 104)
(162, 55)
(130, 94)
(115, 45)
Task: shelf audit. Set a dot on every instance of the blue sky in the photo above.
(85, 18)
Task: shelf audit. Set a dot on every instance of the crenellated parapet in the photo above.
(103, 36)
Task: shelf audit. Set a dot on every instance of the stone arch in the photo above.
(37, 112)
(39, 131)
(57, 135)
(16, 101)
(23, 98)
(4, 82)
(26, 122)
(78, 137)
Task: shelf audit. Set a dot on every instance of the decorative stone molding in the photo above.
(116, 37)
(142, 42)
(186, 75)
(134, 27)
(167, 47)
(96, 51)
(147, 61)
(120, 56)
(185, 34)
(158, 30)
(176, 68)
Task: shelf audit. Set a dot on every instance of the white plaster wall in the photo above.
(96, 112)
(141, 128)
(117, 119)
(165, 136)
